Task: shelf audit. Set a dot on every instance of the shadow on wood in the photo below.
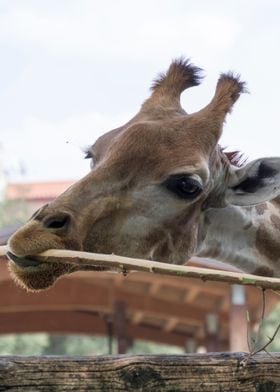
(191, 373)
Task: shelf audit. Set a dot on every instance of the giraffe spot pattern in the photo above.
(275, 220)
(263, 271)
(260, 208)
(247, 226)
(267, 244)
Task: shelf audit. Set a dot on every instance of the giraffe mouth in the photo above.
(24, 262)
(31, 263)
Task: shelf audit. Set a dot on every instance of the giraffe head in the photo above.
(151, 183)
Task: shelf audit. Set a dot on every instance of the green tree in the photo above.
(44, 344)
(23, 344)
(269, 327)
(13, 211)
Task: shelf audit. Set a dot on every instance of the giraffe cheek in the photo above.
(267, 244)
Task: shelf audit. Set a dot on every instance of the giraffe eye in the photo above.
(183, 186)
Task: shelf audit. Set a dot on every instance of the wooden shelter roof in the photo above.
(47, 190)
(162, 309)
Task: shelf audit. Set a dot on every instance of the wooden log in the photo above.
(194, 372)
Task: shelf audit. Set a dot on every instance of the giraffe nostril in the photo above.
(56, 222)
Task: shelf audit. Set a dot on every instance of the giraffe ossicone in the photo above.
(160, 187)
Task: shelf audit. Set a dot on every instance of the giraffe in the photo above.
(161, 187)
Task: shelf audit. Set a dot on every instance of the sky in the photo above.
(73, 69)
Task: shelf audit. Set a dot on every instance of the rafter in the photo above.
(170, 324)
(71, 322)
(71, 294)
(137, 317)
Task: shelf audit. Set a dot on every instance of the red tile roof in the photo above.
(36, 190)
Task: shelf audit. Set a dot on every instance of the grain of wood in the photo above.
(191, 373)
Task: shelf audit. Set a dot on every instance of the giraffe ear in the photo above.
(255, 183)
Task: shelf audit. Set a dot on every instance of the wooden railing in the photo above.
(192, 373)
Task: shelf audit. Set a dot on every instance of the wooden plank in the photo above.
(191, 373)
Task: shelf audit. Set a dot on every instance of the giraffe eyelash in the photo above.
(88, 154)
(91, 156)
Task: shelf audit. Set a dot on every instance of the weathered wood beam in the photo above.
(192, 373)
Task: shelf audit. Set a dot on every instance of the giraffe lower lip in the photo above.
(22, 261)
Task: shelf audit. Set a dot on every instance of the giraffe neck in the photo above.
(246, 237)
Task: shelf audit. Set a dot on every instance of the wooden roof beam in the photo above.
(170, 324)
(74, 294)
(71, 322)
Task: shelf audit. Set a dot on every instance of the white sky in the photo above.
(73, 69)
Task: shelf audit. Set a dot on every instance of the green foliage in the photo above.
(23, 344)
(44, 344)
(76, 345)
(270, 324)
(13, 211)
